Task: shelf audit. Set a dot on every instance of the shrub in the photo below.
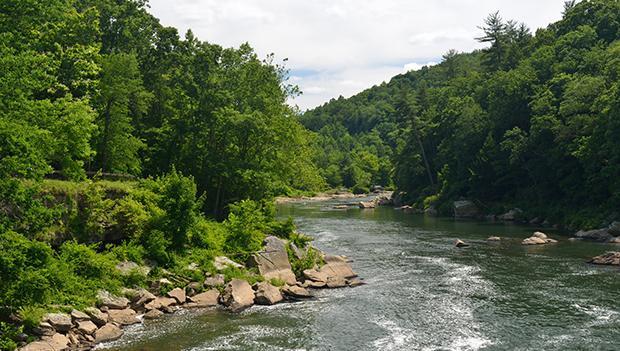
(208, 235)
(246, 225)
(156, 246)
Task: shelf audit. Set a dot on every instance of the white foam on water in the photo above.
(397, 339)
(601, 315)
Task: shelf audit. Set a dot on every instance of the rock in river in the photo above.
(460, 243)
(205, 299)
(267, 294)
(238, 295)
(609, 258)
(538, 238)
(108, 332)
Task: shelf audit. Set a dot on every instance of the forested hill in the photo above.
(531, 121)
(101, 85)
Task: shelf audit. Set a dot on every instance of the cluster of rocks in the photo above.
(610, 234)
(382, 199)
(85, 329)
(538, 238)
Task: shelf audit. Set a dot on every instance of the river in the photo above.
(421, 293)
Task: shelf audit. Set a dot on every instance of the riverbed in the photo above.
(422, 293)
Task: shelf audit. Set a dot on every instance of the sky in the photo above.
(342, 47)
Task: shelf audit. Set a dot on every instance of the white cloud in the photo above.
(344, 46)
(414, 66)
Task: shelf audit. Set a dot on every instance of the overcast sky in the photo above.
(341, 47)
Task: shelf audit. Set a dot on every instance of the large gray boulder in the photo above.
(614, 228)
(238, 295)
(598, 235)
(273, 261)
(267, 294)
(465, 209)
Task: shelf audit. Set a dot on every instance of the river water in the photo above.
(421, 293)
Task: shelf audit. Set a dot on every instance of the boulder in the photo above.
(533, 241)
(223, 262)
(79, 316)
(108, 332)
(56, 342)
(213, 282)
(86, 327)
(299, 253)
(296, 292)
(267, 294)
(98, 317)
(494, 238)
(316, 276)
(465, 209)
(599, 235)
(272, 262)
(609, 258)
(159, 303)
(614, 228)
(141, 298)
(60, 321)
(314, 285)
(511, 215)
(159, 284)
(205, 299)
(337, 266)
(44, 329)
(460, 243)
(336, 282)
(538, 238)
(615, 240)
(238, 295)
(108, 300)
(178, 294)
(123, 317)
(153, 314)
(367, 205)
(540, 235)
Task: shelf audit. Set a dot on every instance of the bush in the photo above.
(8, 335)
(156, 246)
(246, 225)
(208, 235)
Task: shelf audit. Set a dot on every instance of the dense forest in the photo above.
(532, 121)
(202, 137)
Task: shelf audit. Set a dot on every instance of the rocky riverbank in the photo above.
(82, 330)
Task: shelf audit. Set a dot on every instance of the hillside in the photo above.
(528, 122)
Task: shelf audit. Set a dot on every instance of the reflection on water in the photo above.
(422, 293)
